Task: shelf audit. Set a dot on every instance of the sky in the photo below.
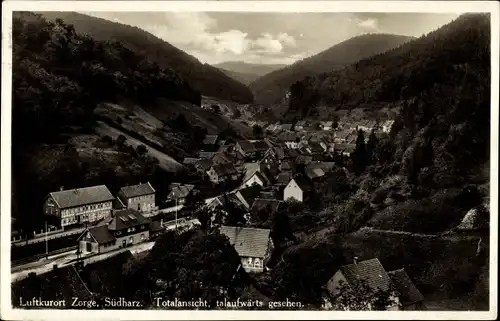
(270, 38)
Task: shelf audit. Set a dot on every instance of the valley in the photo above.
(374, 152)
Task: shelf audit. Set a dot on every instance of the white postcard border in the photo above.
(8, 313)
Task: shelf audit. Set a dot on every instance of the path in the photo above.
(442, 236)
(165, 161)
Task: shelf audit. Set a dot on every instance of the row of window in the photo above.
(85, 208)
(143, 197)
(256, 263)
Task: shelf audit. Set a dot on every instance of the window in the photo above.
(130, 240)
(143, 237)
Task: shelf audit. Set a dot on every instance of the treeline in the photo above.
(205, 78)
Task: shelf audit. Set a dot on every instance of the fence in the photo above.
(41, 237)
(42, 255)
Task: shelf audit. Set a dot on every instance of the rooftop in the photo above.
(409, 294)
(82, 196)
(123, 219)
(248, 242)
(137, 190)
(370, 271)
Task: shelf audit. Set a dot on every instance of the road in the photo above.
(165, 161)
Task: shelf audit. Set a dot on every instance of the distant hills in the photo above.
(204, 78)
(271, 87)
(247, 72)
(440, 57)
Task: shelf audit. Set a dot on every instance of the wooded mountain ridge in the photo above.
(272, 87)
(206, 79)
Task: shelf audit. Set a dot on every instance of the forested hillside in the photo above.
(423, 177)
(204, 78)
(271, 87)
(59, 77)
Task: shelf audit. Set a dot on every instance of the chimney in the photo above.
(355, 260)
(61, 188)
(161, 222)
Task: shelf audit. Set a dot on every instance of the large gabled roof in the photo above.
(137, 190)
(82, 196)
(248, 242)
(370, 271)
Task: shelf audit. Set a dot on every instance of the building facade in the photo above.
(253, 245)
(79, 206)
(126, 228)
(139, 197)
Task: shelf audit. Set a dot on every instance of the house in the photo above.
(297, 189)
(272, 128)
(179, 192)
(206, 155)
(345, 149)
(125, 228)
(300, 125)
(270, 206)
(287, 167)
(409, 296)
(222, 173)
(291, 140)
(77, 206)
(314, 172)
(247, 195)
(387, 126)
(190, 160)
(245, 148)
(341, 136)
(369, 271)
(254, 175)
(405, 297)
(203, 165)
(283, 178)
(287, 127)
(222, 158)
(253, 245)
(327, 125)
(139, 197)
(210, 140)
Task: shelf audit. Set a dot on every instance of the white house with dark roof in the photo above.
(125, 228)
(253, 245)
(78, 206)
(297, 189)
(140, 197)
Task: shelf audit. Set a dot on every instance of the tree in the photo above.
(120, 141)
(359, 156)
(360, 297)
(141, 150)
(236, 113)
(371, 147)
(258, 131)
(195, 265)
(216, 109)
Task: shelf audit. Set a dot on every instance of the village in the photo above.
(257, 177)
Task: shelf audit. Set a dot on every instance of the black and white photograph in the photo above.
(219, 159)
